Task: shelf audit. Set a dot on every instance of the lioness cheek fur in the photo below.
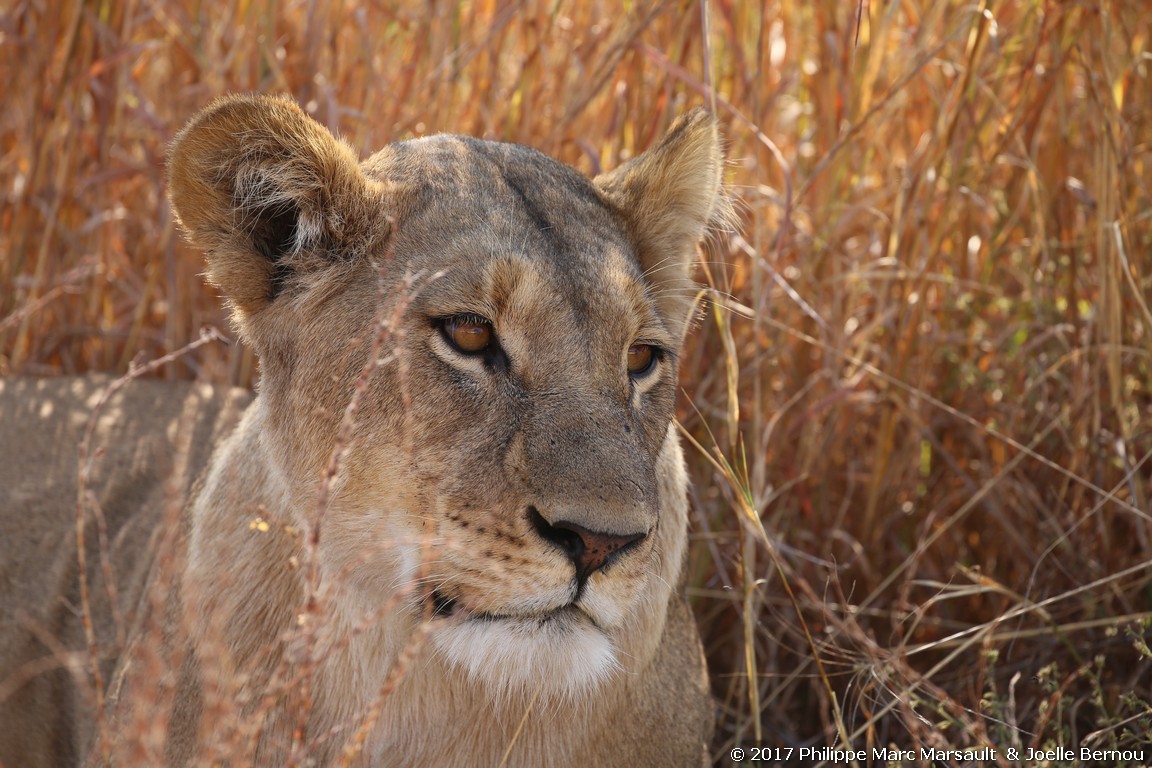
(450, 527)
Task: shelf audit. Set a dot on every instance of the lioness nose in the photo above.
(588, 550)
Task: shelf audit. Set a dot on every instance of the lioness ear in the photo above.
(269, 194)
(670, 195)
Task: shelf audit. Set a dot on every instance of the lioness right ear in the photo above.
(671, 196)
(270, 195)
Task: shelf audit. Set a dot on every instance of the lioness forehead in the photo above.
(461, 170)
(511, 233)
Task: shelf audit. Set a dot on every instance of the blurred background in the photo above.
(922, 460)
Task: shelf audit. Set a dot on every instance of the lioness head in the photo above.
(511, 330)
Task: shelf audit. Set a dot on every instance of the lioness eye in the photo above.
(468, 333)
(640, 359)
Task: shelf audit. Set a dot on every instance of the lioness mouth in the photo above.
(443, 607)
(449, 607)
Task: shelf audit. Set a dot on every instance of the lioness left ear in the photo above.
(270, 195)
(670, 195)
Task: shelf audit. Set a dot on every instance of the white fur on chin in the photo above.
(563, 652)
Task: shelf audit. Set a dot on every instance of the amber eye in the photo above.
(468, 333)
(640, 359)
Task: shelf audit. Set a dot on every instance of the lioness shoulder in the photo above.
(450, 528)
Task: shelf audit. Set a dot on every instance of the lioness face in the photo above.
(510, 330)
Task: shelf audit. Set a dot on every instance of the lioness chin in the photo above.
(450, 528)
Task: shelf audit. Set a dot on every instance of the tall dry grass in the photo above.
(922, 490)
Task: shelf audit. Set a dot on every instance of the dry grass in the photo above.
(922, 505)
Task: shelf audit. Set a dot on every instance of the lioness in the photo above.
(450, 528)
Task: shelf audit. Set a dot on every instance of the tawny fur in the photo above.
(276, 647)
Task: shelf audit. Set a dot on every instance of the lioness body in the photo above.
(451, 527)
(146, 444)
